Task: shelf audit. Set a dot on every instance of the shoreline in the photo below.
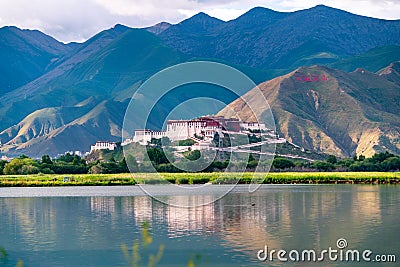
(48, 180)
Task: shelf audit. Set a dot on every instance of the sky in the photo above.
(78, 20)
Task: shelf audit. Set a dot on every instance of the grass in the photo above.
(334, 177)
(66, 180)
(199, 178)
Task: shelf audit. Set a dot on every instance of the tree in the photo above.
(46, 159)
(216, 139)
(251, 162)
(391, 164)
(364, 167)
(323, 166)
(132, 164)
(66, 157)
(165, 141)
(157, 155)
(96, 169)
(226, 141)
(2, 164)
(282, 163)
(331, 159)
(219, 165)
(186, 142)
(193, 155)
(380, 157)
(122, 166)
(21, 166)
(78, 160)
(253, 138)
(68, 168)
(346, 162)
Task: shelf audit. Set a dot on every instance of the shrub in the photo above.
(391, 164)
(331, 159)
(282, 163)
(323, 166)
(22, 165)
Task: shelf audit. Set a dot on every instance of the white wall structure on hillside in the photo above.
(254, 126)
(202, 129)
(144, 136)
(100, 145)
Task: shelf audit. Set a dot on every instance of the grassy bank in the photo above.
(200, 178)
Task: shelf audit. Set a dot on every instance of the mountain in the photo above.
(193, 36)
(373, 60)
(107, 73)
(264, 38)
(104, 81)
(52, 88)
(25, 55)
(331, 111)
(99, 123)
(392, 72)
(159, 28)
(60, 97)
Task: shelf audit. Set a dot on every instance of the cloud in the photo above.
(77, 20)
(386, 9)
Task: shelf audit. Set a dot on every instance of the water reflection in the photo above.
(88, 231)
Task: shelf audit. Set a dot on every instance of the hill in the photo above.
(347, 114)
(264, 38)
(95, 87)
(392, 72)
(59, 97)
(87, 102)
(26, 55)
(373, 60)
(106, 79)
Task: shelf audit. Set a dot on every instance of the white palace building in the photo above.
(100, 145)
(200, 128)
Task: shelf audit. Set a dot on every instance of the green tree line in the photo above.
(379, 162)
(74, 164)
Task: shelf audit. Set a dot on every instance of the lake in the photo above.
(86, 226)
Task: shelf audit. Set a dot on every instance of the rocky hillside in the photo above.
(331, 111)
(56, 97)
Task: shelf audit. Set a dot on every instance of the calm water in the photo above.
(86, 226)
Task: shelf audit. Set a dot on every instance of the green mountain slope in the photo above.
(108, 77)
(25, 55)
(113, 72)
(47, 90)
(128, 59)
(77, 93)
(349, 113)
(264, 38)
(373, 60)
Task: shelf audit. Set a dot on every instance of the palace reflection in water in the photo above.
(89, 231)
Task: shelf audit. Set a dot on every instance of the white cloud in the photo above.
(386, 9)
(77, 20)
(225, 13)
(144, 8)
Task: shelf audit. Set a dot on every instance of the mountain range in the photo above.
(331, 111)
(59, 97)
(264, 38)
